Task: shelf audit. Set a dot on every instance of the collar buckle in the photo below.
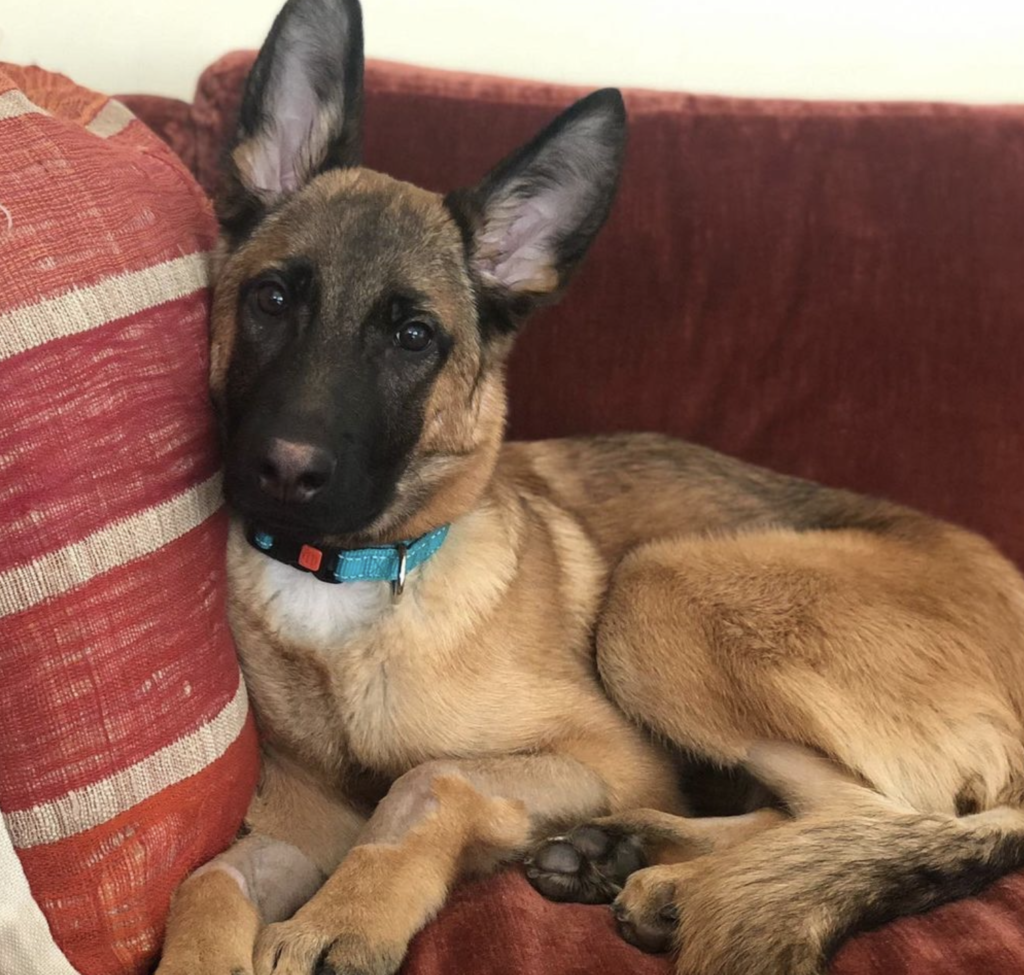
(398, 585)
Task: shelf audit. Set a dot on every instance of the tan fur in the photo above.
(672, 839)
(779, 626)
(736, 911)
(214, 926)
(887, 642)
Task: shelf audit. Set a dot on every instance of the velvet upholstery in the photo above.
(833, 290)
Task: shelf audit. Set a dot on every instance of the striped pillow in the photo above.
(127, 755)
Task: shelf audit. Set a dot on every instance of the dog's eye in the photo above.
(271, 298)
(414, 336)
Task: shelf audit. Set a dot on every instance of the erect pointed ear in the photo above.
(301, 113)
(530, 222)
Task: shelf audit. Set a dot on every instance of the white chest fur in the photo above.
(315, 613)
(301, 608)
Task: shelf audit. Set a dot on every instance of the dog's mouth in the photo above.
(310, 523)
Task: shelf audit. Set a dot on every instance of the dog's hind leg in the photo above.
(851, 859)
(897, 657)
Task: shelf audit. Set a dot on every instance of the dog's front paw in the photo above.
(588, 865)
(211, 929)
(647, 911)
(202, 963)
(304, 947)
(207, 958)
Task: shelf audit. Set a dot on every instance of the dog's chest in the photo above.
(373, 681)
(463, 665)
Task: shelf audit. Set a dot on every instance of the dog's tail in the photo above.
(850, 860)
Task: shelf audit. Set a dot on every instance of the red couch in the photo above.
(833, 290)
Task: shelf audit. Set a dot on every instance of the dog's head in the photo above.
(360, 324)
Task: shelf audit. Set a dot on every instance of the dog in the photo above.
(463, 652)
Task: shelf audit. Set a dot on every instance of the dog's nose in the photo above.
(294, 472)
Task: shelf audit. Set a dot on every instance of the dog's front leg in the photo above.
(440, 821)
(300, 830)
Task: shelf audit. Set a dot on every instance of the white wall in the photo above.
(802, 48)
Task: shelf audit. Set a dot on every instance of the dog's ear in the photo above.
(530, 222)
(301, 113)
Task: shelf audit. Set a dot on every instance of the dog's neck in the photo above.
(333, 566)
(477, 561)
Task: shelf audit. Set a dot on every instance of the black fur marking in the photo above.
(960, 865)
(529, 171)
(812, 507)
(322, 966)
(335, 380)
(749, 497)
(258, 344)
(330, 33)
(966, 804)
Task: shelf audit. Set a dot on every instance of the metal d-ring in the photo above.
(398, 585)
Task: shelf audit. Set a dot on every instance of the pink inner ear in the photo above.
(524, 224)
(284, 152)
(516, 249)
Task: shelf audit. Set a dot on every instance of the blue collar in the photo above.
(389, 563)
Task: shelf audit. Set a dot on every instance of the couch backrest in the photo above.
(833, 290)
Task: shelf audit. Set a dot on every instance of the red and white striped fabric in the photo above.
(127, 755)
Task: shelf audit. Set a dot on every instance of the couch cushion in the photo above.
(127, 752)
(501, 926)
(171, 119)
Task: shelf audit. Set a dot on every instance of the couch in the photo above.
(833, 290)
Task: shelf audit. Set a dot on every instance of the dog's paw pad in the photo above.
(587, 866)
(558, 856)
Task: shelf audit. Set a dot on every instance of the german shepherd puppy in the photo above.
(597, 606)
